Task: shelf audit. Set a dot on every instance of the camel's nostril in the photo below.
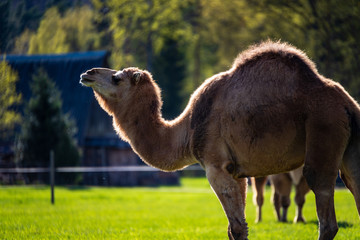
(91, 72)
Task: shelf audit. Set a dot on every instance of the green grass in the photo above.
(190, 211)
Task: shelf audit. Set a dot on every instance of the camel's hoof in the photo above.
(299, 220)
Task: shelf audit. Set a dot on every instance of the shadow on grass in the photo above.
(341, 224)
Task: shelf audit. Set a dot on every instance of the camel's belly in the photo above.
(271, 152)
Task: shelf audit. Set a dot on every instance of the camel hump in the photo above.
(273, 49)
(276, 62)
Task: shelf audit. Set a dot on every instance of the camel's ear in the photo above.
(136, 77)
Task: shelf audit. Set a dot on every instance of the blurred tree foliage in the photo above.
(9, 98)
(15, 17)
(57, 33)
(220, 30)
(18, 16)
(4, 25)
(141, 27)
(169, 67)
(328, 30)
(46, 128)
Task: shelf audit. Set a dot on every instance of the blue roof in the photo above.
(65, 70)
(93, 55)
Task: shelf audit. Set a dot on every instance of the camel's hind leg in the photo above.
(301, 190)
(232, 194)
(281, 189)
(276, 201)
(258, 185)
(350, 174)
(325, 146)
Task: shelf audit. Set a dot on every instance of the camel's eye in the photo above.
(116, 79)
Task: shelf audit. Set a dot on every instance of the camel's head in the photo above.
(127, 86)
(111, 84)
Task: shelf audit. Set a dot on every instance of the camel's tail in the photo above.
(350, 166)
(354, 125)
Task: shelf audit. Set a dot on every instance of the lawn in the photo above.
(190, 211)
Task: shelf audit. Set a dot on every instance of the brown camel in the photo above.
(270, 113)
(281, 188)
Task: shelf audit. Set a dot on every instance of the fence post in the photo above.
(52, 176)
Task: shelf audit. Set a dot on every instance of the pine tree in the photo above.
(46, 128)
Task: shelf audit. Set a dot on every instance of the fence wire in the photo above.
(92, 169)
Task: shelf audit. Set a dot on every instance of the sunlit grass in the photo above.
(190, 211)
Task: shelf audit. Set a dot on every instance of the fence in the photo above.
(52, 170)
(91, 169)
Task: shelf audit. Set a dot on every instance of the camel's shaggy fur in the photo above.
(270, 113)
(281, 185)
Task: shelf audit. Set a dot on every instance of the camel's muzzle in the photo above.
(86, 80)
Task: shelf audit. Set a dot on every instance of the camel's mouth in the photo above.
(86, 80)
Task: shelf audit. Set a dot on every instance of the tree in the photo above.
(9, 98)
(327, 30)
(16, 17)
(141, 27)
(71, 31)
(216, 40)
(46, 128)
(22, 16)
(170, 70)
(102, 22)
(337, 34)
(4, 25)
(50, 37)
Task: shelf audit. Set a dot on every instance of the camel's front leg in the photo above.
(231, 193)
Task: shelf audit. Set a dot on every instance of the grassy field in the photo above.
(190, 211)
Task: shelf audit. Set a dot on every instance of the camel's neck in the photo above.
(161, 144)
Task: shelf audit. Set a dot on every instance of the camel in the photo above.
(280, 195)
(270, 113)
